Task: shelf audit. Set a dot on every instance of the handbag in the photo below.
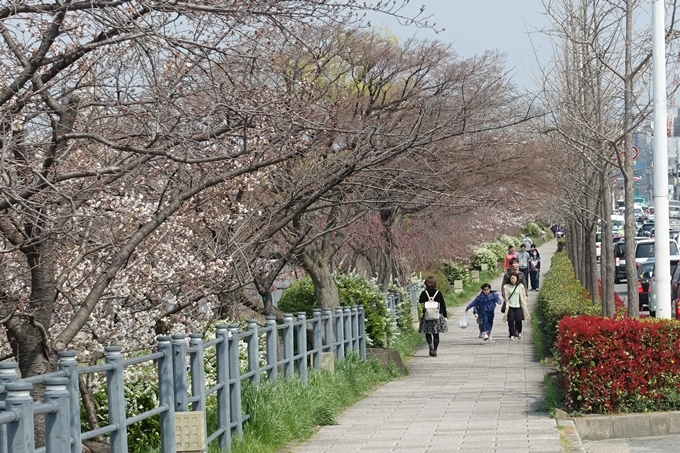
(431, 308)
(505, 306)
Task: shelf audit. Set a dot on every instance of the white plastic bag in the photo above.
(463, 323)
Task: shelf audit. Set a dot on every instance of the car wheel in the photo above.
(652, 314)
(617, 280)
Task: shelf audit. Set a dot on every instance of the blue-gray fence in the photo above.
(181, 381)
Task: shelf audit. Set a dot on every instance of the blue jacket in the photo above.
(485, 303)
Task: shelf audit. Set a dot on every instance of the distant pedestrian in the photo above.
(523, 260)
(543, 236)
(517, 311)
(534, 267)
(485, 305)
(432, 328)
(527, 242)
(508, 256)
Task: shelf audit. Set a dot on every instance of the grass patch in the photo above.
(407, 342)
(288, 411)
(553, 396)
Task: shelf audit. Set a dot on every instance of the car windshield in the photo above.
(648, 226)
(647, 267)
(598, 237)
(646, 250)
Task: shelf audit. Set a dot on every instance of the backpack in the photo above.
(431, 308)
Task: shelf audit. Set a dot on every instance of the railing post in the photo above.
(115, 392)
(197, 364)
(355, 328)
(179, 369)
(362, 332)
(253, 351)
(317, 341)
(340, 332)
(69, 363)
(223, 408)
(347, 324)
(302, 346)
(8, 373)
(288, 350)
(20, 436)
(235, 379)
(397, 305)
(328, 329)
(166, 395)
(57, 431)
(271, 340)
(389, 300)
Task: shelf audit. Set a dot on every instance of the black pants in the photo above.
(432, 340)
(515, 317)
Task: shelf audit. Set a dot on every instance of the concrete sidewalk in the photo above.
(474, 397)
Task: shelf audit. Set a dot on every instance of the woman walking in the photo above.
(432, 327)
(534, 267)
(517, 311)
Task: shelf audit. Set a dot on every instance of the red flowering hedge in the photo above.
(619, 365)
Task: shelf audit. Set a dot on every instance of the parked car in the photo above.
(645, 274)
(598, 245)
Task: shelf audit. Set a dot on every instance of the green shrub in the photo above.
(532, 230)
(485, 254)
(508, 241)
(299, 296)
(352, 290)
(561, 295)
(561, 244)
(141, 395)
(405, 313)
(440, 278)
(455, 270)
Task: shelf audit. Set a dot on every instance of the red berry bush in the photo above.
(619, 365)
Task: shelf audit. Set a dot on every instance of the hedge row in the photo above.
(561, 295)
(619, 365)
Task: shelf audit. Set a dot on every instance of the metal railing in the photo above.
(181, 367)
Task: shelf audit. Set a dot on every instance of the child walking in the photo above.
(485, 305)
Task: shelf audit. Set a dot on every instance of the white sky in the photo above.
(474, 26)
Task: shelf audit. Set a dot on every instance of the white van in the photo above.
(617, 223)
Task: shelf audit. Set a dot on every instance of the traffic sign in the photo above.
(635, 152)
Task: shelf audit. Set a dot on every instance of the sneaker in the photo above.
(481, 334)
(519, 336)
(486, 336)
(513, 337)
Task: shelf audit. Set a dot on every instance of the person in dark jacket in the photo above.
(534, 267)
(432, 328)
(485, 305)
(514, 269)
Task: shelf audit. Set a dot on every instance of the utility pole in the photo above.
(662, 267)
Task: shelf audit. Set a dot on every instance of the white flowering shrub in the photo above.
(485, 254)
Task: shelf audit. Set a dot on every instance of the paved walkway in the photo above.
(474, 397)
